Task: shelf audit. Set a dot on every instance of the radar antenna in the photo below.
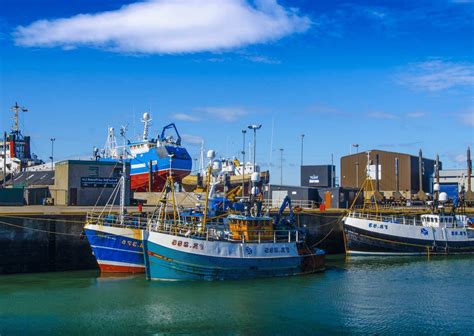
(146, 119)
(110, 148)
(16, 109)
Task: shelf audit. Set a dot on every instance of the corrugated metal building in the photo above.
(354, 172)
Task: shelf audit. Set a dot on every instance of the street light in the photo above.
(254, 128)
(52, 153)
(356, 146)
(243, 163)
(302, 138)
(281, 167)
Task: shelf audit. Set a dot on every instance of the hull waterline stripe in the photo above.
(118, 263)
(408, 244)
(159, 256)
(116, 249)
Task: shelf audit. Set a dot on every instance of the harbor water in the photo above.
(359, 295)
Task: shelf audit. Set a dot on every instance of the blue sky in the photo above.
(398, 75)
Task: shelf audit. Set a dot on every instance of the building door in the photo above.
(277, 197)
(328, 199)
(72, 196)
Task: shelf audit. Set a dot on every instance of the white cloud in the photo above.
(185, 117)
(437, 75)
(416, 114)
(262, 59)
(468, 118)
(460, 158)
(169, 26)
(382, 115)
(192, 139)
(323, 109)
(228, 114)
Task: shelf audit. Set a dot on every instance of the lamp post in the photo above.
(243, 163)
(254, 128)
(302, 139)
(52, 152)
(281, 167)
(4, 159)
(356, 146)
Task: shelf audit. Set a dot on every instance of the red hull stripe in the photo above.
(120, 269)
(139, 182)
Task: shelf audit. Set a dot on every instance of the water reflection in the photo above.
(358, 294)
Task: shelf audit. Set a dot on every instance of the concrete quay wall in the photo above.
(43, 243)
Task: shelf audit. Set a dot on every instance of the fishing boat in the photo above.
(370, 234)
(116, 240)
(245, 245)
(149, 158)
(439, 232)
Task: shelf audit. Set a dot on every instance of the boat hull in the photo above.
(369, 237)
(140, 181)
(174, 258)
(117, 250)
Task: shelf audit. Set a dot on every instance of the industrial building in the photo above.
(335, 197)
(35, 185)
(395, 172)
(452, 182)
(81, 182)
(319, 176)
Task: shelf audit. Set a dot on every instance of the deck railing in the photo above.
(214, 230)
(129, 221)
(386, 218)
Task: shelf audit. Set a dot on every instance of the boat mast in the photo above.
(16, 109)
(201, 158)
(122, 179)
(206, 204)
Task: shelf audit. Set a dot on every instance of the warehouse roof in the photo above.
(45, 177)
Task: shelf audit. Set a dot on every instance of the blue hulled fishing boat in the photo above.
(116, 240)
(242, 246)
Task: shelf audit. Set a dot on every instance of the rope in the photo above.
(60, 233)
(324, 238)
(103, 188)
(44, 219)
(40, 230)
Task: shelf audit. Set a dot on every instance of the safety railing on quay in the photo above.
(304, 204)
